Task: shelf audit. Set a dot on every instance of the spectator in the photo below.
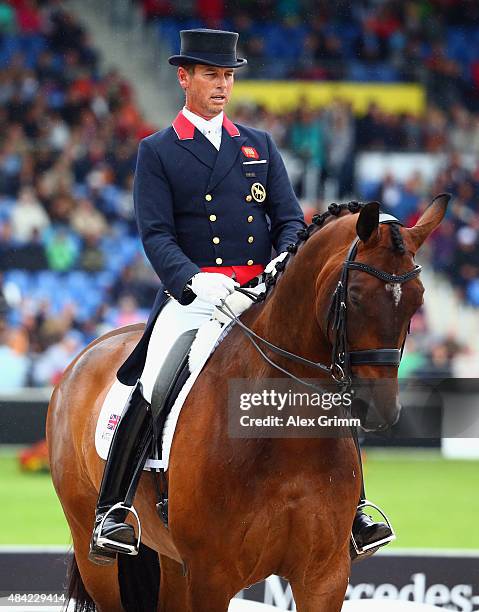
(61, 250)
(7, 18)
(28, 215)
(49, 366)
(340, 163)
(87, 220)
(28, 17)
(14, 366)
(128, 312)
(91, 257)
(307, 142)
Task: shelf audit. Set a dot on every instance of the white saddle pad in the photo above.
(208, 337)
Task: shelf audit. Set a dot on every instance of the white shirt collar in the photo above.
(204, 125)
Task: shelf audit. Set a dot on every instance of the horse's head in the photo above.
(367, 290)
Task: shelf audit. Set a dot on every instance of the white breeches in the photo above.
(173, 320)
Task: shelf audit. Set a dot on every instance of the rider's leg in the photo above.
(365, 531)
(128, 451)
(131, 442)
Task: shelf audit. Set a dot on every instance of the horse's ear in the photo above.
(429, 220)
(368, 221)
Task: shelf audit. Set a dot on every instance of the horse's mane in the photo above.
(319, 220)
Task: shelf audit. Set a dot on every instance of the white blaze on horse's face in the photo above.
(396, 290)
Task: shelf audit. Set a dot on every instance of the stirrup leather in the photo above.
(103, 542)
(361, 551)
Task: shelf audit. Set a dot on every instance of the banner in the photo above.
(284, 96)
(447, 580)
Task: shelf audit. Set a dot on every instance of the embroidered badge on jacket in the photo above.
(250, 152)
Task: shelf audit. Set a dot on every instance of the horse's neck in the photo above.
(288, 319)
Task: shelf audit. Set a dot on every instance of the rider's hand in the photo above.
(212, 287)
(271, 267)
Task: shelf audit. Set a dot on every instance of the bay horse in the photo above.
(241, 509)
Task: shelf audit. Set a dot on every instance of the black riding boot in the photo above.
(127, 455)
(367, 533)
(367, 536)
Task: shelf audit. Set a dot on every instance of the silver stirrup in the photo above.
(112, 545)
(379, 543)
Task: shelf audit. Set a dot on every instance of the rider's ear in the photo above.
(368, 222)
(429, 220)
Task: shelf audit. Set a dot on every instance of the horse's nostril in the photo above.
(359, 409)
(398, 413)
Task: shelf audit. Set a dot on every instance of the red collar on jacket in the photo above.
(185, 130)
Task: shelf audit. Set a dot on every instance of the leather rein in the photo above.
(341, 358)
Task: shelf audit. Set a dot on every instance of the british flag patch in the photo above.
(113, 421)
(250, 152)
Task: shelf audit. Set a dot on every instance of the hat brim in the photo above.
(179, 60)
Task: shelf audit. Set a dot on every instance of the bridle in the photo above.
(342, 359)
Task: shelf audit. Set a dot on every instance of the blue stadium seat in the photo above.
(385, 73)
(104, 279)
(6, 208)
(473, 292)
(20, 278)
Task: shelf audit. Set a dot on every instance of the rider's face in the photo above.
(207, 88)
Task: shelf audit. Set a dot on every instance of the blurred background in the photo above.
(371, 99)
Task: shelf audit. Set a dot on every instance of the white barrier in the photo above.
(364, 605)
(386, 605)
(242, 605)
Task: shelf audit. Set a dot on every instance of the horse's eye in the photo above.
(355, 301)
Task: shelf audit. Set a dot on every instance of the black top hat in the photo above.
(211, 47)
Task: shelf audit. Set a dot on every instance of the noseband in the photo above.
(341, 358)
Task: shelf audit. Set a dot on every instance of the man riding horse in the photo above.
(212, 199)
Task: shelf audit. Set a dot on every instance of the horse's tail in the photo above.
(76, 590)
(139, 580)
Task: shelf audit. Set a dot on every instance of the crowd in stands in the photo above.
(360, 40)
(71, 265)
(328, 139)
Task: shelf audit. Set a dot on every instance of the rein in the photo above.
(341, 358)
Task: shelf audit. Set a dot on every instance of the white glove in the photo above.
(212, 287)
(238, 302)
(271, 267)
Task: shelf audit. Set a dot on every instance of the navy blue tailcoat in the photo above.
(198, 207)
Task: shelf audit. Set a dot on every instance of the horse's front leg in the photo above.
(209, 587)
(173, 586)
(325, 592)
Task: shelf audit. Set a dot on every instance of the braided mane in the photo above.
(318, 220)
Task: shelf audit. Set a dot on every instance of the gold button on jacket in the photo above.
(208, 197)
(216, 240)
(212, 217)
(250, 239)
(219, 261)
(249, 198)
(250, 262)
(250, 218)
